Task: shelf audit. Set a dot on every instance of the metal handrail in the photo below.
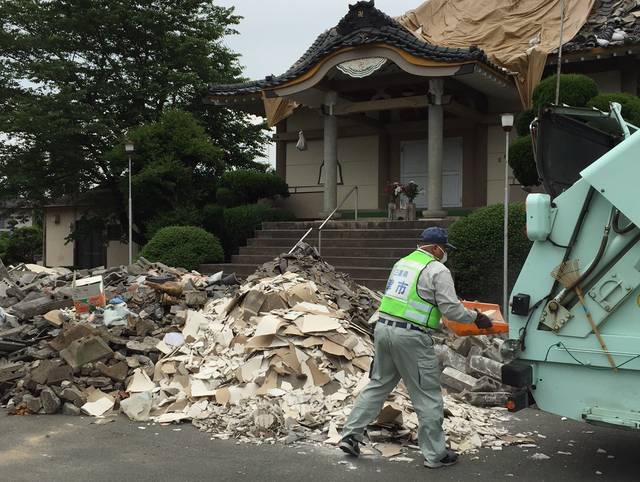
(300, 240)
(355, 188)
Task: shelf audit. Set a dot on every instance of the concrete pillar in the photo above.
(330, 155)
(435, 151)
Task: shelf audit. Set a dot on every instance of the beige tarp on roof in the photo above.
(516, 34)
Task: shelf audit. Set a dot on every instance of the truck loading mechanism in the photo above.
(576, 336)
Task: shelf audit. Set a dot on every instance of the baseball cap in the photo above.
(436, 235)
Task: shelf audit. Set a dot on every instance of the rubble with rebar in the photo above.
(280, 358)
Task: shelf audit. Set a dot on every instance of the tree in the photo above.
(175, 168)
(75, 77)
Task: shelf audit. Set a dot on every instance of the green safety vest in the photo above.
(401, 298)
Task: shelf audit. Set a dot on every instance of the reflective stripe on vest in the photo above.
(401, 298)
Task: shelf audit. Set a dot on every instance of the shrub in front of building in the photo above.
(522, 161)
(241, 222)
(575, 90)
(630, 105)
(477, 263)
(183, 247)
(24, 245)
(249, 187)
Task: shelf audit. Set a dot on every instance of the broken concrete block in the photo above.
(50, 401)
(485, 366)
(449, 358)
(70, 409)
(40, 374)
(487, 384)
(33, 404)
(117, 372)
(86, 350)
(59, 374)
(487, 399)
(457, 380)
(64, 339)
(75, 396)
(462, 345)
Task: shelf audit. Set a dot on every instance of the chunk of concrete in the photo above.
(485, 366)
(50, 401)
(449, 358)
(487, 384)
(457, 380)
(75, 396)
(59, 374)
(34, 405)
(70, 409)
(86, 350)
(117, 372)
(64, 339)
(462, 345)
(487, 399)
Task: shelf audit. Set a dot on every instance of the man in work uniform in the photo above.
(420, 289)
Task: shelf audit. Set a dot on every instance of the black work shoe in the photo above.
(350, 446)
(450, 459)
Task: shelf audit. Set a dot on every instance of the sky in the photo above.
(275, 33)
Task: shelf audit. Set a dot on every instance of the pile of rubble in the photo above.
(279, 358)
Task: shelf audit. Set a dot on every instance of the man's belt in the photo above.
(402, 324)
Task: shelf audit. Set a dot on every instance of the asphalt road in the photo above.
(59, 448)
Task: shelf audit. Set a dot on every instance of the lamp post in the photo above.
(129, 148)
(507, 125)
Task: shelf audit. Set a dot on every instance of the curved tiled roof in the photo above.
(612, 23)
(363, 25)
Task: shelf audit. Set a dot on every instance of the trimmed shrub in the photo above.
(185, 216)
(523, 120)
(183, 247)
(251, 186)
(477, 263)
(227, 198)
(630, 105)
(523, 162)
(241, 222)
(4, 244)
(213, 219)
(24, 245)
(575, 90)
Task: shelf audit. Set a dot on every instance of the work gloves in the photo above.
(483, 321)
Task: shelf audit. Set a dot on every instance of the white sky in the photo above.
(275, 33)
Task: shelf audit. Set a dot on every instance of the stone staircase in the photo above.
(364, 249)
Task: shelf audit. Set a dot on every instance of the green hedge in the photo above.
(477, 263)
(227, 198)
(251, 186)
(213, 219)
(630, 105)
(523, 162)
(241, 222)
(575, 90)
(185, 216)
(523, 120)
(183, 247)
(24, 245)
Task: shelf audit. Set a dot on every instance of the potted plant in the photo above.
(411, 191)
(393, 191)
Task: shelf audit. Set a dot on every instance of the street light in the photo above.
(507, 125)
(129, 148)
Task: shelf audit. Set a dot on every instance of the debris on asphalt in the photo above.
(279, 358)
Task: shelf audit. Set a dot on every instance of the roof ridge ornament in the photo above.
(364, 14)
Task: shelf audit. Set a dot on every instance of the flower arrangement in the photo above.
(411, 190)
(393, 190)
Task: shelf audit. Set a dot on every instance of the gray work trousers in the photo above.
(406, 354)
